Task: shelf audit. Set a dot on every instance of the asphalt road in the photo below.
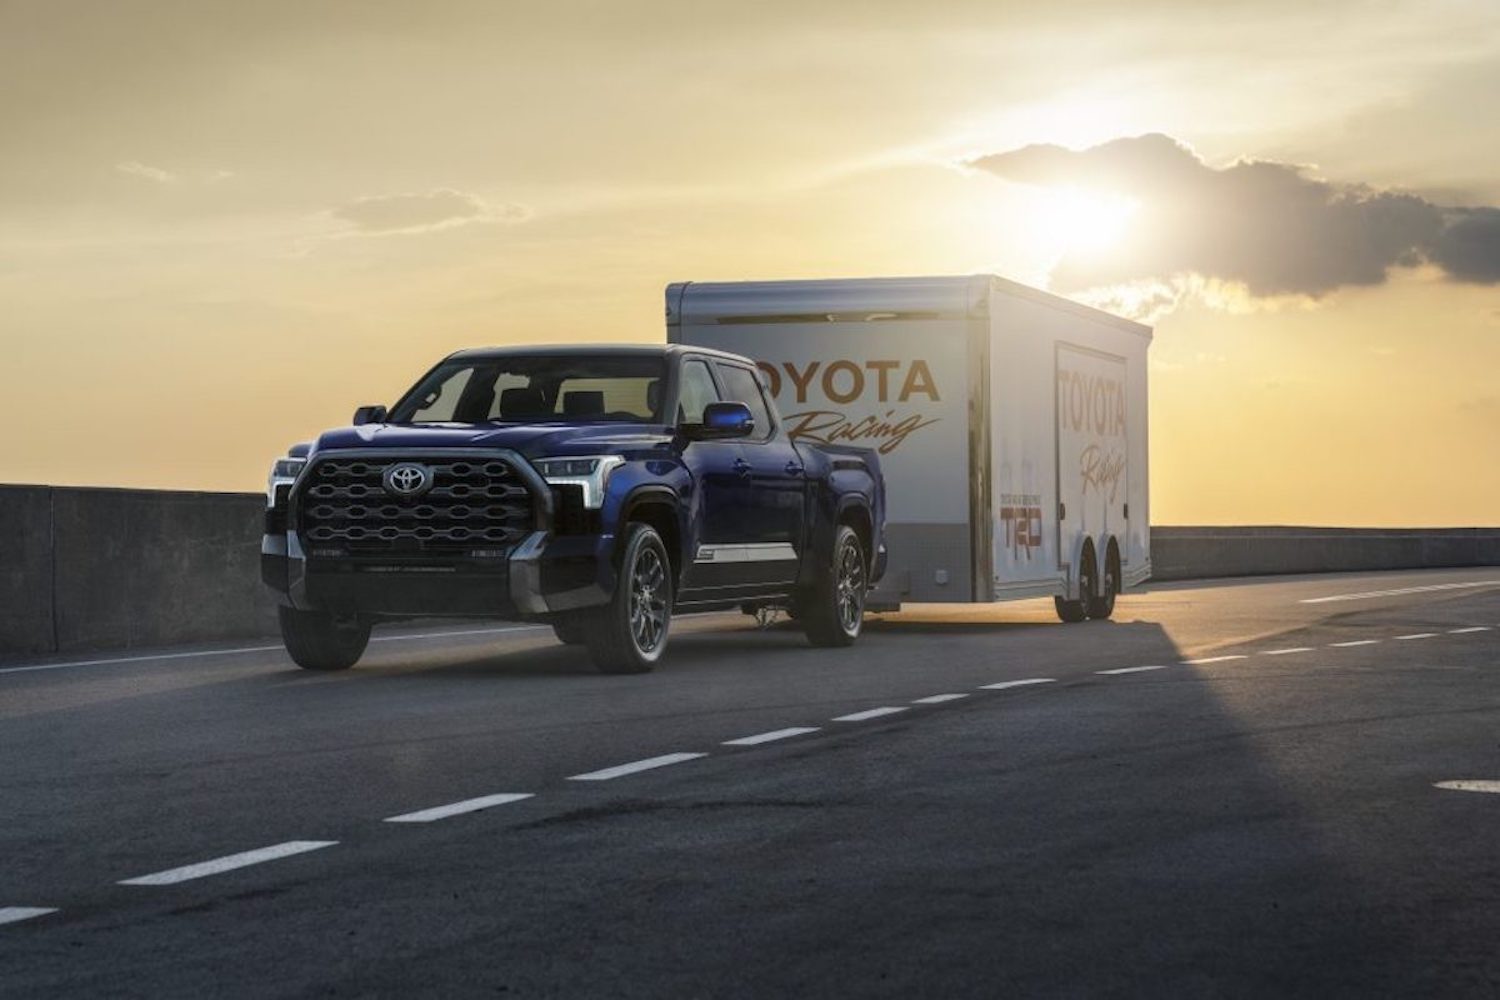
(1259, 813)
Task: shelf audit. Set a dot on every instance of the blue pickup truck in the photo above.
(595, 489)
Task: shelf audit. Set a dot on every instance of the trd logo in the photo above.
(1023, 529)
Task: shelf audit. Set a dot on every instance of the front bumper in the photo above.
(541, 575)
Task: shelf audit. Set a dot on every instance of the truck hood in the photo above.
(530, 440)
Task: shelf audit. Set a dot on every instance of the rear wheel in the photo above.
(833, 613)
(1077, 611)
(1103, 605)
(316, 640)
(629, 634)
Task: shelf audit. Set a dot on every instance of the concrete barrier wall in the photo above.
(1197, 553)
(114, 569)
(84, 569)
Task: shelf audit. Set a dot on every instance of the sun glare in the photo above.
(1084, 221)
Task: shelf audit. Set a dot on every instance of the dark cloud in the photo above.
(1269, 225)
(390, 212)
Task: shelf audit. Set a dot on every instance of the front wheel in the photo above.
(316, 640)
(834, 611)
(629, 634)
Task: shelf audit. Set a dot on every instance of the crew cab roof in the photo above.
(589, 350)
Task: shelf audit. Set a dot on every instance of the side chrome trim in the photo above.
(755, 552)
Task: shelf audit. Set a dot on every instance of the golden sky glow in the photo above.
(223, 226)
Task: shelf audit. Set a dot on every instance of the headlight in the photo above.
(283, 473)
(591, 472)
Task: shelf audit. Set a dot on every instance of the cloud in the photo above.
(418, 212)
(1271, 227)
(136, 168)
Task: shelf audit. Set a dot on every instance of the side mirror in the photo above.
(722, 421)
(369, 415)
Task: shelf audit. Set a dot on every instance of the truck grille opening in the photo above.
(470, 502)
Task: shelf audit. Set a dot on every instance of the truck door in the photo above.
(719, 511)
(775, 486)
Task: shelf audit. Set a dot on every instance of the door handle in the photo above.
(742, 467)
(793, 469)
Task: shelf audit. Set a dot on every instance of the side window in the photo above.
(698, 390)
(742, 386)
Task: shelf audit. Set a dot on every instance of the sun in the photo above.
(1082, 221)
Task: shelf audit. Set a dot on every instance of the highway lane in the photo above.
(1298, 776)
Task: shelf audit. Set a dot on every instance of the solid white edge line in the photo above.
(1471, 628)
(239, 650)
(619, 771)
(1021, 683)
(458, 808)
(772, 736)
(1353, 642)
(870, 713)
(1283, 652)
(229, 862)
(1469, 785)
(1418, 635)
(1399, 591)
(937, 699)
(1215, 659)
(15, 914)
(1129, 670)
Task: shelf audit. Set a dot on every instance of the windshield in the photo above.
(524, 389)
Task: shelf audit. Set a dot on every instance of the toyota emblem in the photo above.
(407, 480)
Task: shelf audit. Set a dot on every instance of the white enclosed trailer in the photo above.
(1010, 423)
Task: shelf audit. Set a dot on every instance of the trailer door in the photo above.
(1092, 469)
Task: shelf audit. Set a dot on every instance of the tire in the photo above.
(318, 641)
(833, 612)
(1077, 611)
(571, 631)
(1103, 605)
(629, 634)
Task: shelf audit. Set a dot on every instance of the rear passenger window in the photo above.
(741, 386)
(698, 390)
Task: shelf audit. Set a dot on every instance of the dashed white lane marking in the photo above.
(1397, 592)
(1353, 642)
(227, 864)
(937, 699)
(1470, 785)
(458, 808)
(771, 737)
(238, 650)
(1472, 628)
(1129, 670)
(870, 713)
(1215, 659)
(1288, 650)
(1022, 683)
(636, 766)
(1418, 635)
(15, 914)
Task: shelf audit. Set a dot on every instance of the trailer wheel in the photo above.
(1077, 611)
(1103, 605)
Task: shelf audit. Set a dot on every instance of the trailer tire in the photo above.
(833, 612)
(1103, 605)
(1077, 611)
(629, 634)
(316, 640)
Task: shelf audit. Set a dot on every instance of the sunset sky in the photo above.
(223, 226)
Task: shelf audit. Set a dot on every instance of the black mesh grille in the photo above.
(471, 502)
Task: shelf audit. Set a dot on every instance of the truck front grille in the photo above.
(471, 502)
